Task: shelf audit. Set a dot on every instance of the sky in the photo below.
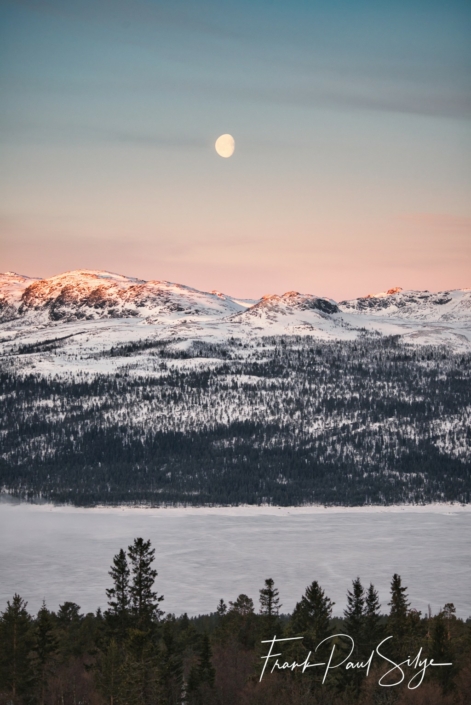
(352, 165)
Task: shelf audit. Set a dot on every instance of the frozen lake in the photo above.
(64, 553)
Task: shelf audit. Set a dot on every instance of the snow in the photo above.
(93, 311)
(12, 286)
(452, 305)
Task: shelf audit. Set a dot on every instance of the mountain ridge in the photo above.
(87, 312)
(93, 288)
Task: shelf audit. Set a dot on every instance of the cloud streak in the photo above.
(252, 53)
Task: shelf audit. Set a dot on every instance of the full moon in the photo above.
(225, 145)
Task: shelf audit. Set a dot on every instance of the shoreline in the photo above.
(245, 510)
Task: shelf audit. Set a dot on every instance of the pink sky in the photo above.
(416, 250)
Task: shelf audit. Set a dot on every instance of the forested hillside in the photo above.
(284, 420)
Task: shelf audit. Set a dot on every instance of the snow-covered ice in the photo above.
(204, 554)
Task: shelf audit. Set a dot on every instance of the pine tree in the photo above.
(221, 609)
(69, 623)
(270, 609)
(144, 601)
(269, 599)
(222, 623)
(15, 645)
(69, 613)
(449, 615)
(243, 605)
(119, 598)
(241, 621)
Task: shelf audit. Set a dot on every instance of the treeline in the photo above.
(134, 654)
(282, 421)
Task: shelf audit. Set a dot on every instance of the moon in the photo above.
(225, 146)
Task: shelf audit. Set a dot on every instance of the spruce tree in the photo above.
(311, 620)
(373, 629)
(398, 615)
(354, 614)
(441, 651)
(119, 598)
(206, 672)
(144, 601)
(108, 672)
(45, 647)
(171, 663)
(15, 644)
(139, 677)
(202, 674)
(312, 615)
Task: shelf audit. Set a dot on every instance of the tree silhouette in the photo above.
(354, 613)
(16, 639)
(144, 601)
(312, 614)
(270, 608)
(119, 598)
(269, 599)
(44, 651)
(398, 615)
(373, 630)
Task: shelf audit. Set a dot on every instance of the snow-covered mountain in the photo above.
(85, 311)
(115, 389)
(454, 305)
(90, 295)
(12, 288)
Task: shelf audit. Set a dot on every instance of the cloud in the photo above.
(312, 59)
(79, 134)
(442, 222)
(123, 14)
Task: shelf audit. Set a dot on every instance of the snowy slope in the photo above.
(454, 305)
(12, 287)
(420, 317)
(81, 314)
(89, 295)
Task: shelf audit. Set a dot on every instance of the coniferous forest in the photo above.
(282, 421)
(133, 653)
